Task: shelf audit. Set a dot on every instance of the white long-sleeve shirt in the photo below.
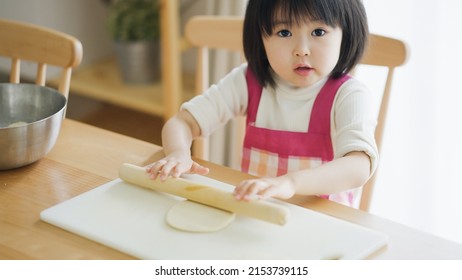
(284, 107)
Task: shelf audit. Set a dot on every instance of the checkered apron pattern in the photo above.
(271, 153)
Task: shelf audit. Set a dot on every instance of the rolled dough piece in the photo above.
(195, 217)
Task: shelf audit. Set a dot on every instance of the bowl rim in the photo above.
(49, 89)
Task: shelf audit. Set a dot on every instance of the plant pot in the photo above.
(139, 62)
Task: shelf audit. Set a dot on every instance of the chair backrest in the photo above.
(224, 33)
(389, 53)
(218, 32)
(28, 42)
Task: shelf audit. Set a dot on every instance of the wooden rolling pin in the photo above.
(259, 209)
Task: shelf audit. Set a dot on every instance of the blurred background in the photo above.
(418, 183)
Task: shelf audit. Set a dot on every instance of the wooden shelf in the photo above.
(102, 81)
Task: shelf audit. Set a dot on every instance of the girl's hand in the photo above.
(174, 165)
(280, 187)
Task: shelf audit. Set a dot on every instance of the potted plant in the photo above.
(134, 26)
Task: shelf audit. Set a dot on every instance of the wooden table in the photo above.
(85, 157)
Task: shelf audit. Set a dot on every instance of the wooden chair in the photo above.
(389, 53)
(27, 42)
(213, 32)
(224, 33)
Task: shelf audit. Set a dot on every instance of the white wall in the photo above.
(418, 180)
(83, 19)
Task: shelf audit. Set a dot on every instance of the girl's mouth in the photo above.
(303, 70)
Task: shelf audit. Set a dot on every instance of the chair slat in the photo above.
(41, 74)
(15, 72)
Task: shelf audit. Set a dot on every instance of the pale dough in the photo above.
(17, 124)
(195, 217)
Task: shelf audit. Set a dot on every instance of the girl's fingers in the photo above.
(240, 190)
(161, 169)
(252, 190)
(248, 190)
(155, 165)
(256, 189)
(154, 169)
(196, 168)
(167, 169)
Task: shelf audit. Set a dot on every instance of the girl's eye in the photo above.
(318, 32)
(284, 33)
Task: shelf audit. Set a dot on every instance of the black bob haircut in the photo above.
(349, 15)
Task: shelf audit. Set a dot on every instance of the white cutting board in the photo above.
(131, 219)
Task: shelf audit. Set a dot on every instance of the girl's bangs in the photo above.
(296, 13)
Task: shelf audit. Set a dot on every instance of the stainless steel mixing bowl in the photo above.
(30, 121)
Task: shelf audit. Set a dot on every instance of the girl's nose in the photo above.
(302, 52)
(302, 48)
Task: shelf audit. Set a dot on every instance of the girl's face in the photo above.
(303, 55)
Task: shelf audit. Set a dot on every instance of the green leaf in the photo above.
(134, 20)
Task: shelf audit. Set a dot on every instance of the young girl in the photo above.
(310, 126)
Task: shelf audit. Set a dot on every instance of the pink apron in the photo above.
(271, 153)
